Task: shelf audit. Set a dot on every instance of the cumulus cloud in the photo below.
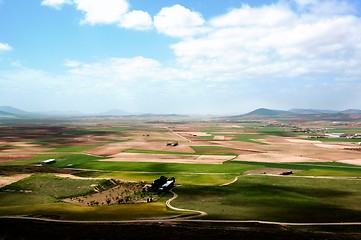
(57, 4)
(325, 7)
(178, 21)
(102, 11)
(119, 68)
(136, 19)
(71, 63)
(270, 15)
(107, 12)
(274, 41)
(241, 52)
(5, 47)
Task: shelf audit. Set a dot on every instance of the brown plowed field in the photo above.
(169, 158)
(9, 157)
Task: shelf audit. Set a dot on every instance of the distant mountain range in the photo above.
(301, 114)
(7, 112)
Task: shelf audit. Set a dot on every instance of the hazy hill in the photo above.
(12, 110)
(7, 115)
(311, 111)
(264, 113)
(114, 112)
(301, 114)
(352, 111)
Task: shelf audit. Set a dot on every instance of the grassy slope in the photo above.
(166, 167)
(47, 192)
(72, 212)
(311, 169)
(73, 148)
(131, 150)
(45, 188)
(277, 199)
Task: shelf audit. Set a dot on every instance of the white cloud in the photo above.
(265, 16)
(325, 7)
(72, 63)
(178, 21)
(136, 19)
(107, 12)
(102, 11)
(5, 47)
(247, 53)
(119, 69)
(57, 4)
(273, 41)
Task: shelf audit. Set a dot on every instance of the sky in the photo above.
(180, 56)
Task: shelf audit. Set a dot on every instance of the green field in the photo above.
(310, 169)
(45, 188)
(335, 139)
(73, 148)
(249, 138)
(199, 151)
(320, 192)
(66, 211)
(276, 199)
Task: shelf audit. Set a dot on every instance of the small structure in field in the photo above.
(47, 162)
(337, 135)
(287, 173)
(161, 184)
(172, 144)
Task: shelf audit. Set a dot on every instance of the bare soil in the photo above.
(7, 180)
(9, 157)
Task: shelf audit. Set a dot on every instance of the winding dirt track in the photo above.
(175, 195)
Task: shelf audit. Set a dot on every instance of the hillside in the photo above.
(300, 114)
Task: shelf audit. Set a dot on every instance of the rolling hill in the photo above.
(300, 114)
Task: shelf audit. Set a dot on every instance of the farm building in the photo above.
(340, 135)
(47, 162)
(161, 184)
(173, 144)
(167, 186)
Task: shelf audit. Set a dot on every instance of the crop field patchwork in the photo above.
(235, 171)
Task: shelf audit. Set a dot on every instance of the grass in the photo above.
(73, 148)
(335, 139)
(311, 169)
(46, 188)
(205, 148)
(249, 138)
(166, 167)
(48, 141)
(206, 137)
(65, 211)
(67, 160)
(183, 179)
(276, 131)
(132, 150)
(62, 160)
(276, 199)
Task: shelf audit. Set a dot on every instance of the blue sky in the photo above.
(172, 56)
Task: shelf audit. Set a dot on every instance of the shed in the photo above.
(49, 161)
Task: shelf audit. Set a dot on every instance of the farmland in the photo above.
(229, 171)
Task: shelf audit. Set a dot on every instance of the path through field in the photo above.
(175, 196)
